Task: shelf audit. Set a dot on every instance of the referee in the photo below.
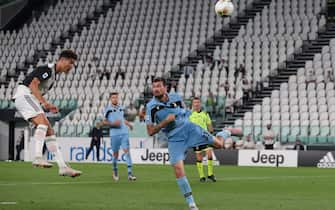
(202, 119)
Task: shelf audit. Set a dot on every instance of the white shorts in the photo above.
(28, 106)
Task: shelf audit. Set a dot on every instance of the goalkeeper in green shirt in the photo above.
(202, 119)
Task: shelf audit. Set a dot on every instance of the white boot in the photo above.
(39, 162)
(131, 178)
(67, 171)
(193, 207)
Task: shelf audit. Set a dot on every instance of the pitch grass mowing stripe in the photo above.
(262, 178)
(239, 188)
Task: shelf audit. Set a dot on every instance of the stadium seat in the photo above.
(257, 129)
(304, 132)
(247, 127)
(314, 131)
(295, 131)
(324, 131)
(285, 131)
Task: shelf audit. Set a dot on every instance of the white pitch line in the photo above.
(53, 183)
(7, 203)
(270, 177)
(222, 179)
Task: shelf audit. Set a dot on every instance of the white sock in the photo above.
(54, 149)
(39, 137)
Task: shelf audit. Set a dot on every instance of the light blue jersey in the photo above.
(157, 111)
(119, 136)
(181, 133)
(113, 113)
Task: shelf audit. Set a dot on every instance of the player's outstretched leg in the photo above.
(184, 185)
(225, 134)
(64, 170)
(235, 131)
(39, 137)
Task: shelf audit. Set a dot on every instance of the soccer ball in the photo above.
(224, 7)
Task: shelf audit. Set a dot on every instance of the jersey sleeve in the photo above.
(106, 113)
(42, 73)
(148, 117)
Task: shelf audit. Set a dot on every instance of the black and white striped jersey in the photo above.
(46, 74)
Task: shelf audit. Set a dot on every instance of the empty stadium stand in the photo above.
(286, 48)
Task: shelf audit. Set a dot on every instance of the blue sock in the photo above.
(129, 163)
(115, 165)
(185, 189)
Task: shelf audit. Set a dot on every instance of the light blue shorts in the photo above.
(188, 136)
(118, 141)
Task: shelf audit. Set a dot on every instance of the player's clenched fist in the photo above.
(52, 108)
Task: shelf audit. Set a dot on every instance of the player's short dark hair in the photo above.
(195, 98)
(113, 93)
(68, 54)
(159, 79)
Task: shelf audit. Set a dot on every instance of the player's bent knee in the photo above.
(40, 119)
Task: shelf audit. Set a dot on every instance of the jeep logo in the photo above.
(155, 156)
(271, 158)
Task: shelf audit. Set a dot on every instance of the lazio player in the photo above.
(202, 119)
(166, 112)
(119, 134)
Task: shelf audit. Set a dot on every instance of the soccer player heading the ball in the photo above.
(29, 102)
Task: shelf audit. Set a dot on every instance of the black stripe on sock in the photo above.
(187, 194)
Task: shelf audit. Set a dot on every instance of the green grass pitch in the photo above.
(238, 188)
